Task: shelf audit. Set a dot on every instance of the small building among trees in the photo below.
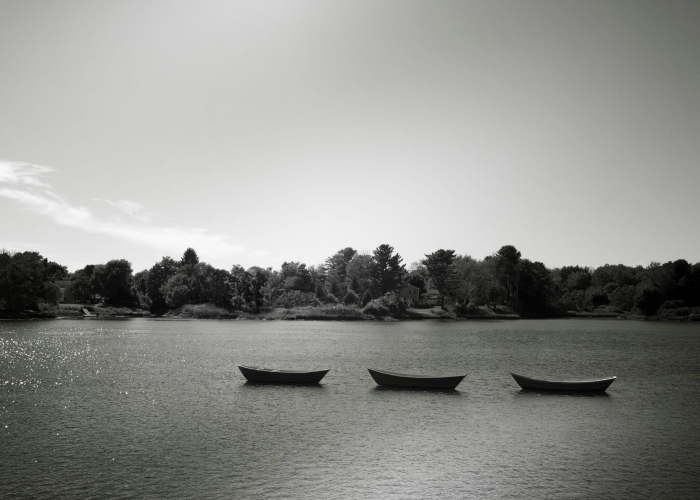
(410, 294)
(434, 298)
(65, 292)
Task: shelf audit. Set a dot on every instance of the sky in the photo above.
(259, 132)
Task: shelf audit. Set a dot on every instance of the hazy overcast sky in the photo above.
(264, 131)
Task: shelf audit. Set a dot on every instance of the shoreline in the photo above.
(299, 314)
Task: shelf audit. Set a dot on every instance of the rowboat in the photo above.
(255, 374)
(563, 385)
(420, 381)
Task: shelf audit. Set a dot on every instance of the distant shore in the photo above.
(337, 313)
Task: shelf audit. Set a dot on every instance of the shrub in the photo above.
(176, 292)
(672, 304)
(375, 309)
(297, 298)
(142, 299)
(623, 297)
(679, 313)
(386, 305)
(648, 299)
(461, 309)
(324, 312)
(207, 310)
(351, 298)
(470, 309)
(596, 297)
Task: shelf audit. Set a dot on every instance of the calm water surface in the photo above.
(157, 409)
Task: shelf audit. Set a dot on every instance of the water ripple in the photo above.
(158, 409)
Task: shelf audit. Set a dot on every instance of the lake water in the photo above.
(158, 409)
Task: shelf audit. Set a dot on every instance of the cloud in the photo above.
(130, 207)
(23, 184)
(23, 173)
(47, 203)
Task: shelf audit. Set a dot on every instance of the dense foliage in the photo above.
(365, 281)
(442, 273)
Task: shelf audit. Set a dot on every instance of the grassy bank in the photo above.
(28, 315)
(326, 313)
(51, 311)
(434, 313)
(592, 314)
(335, 312)
(471, 311)
(99, 310)
(202, 311)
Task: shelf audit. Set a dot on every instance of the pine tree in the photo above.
(189, 258)
(386, 270)
(442, 273)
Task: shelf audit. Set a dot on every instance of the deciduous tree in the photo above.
(176, 290)
(357, 273)
(158, 275)
(535, 288)
(21, 280)
(113, 280)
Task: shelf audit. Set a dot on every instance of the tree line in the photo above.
(367, 280)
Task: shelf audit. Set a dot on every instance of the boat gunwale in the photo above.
(274, 370)
(589, 381)
(406, 375)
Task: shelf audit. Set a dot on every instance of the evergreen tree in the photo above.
(386, 270)
(189, 258)
(337, 263)
(507, 266)
(335, 288)
(442, 273)
(355, 285)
